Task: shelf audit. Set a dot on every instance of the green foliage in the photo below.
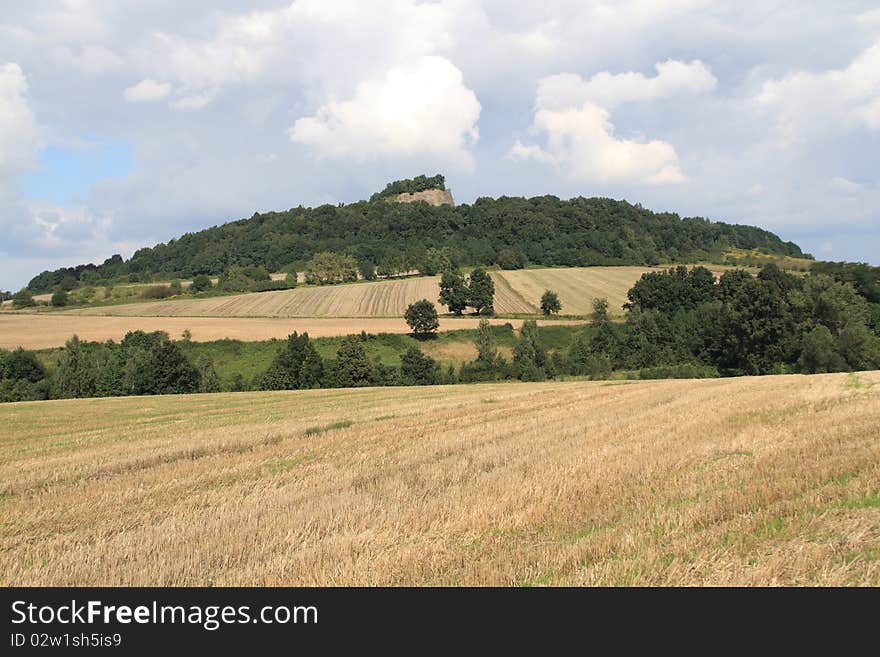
(529, 356)
(410, 185)
(201, 283)
(511, 259)
(435, 261)
(59, 298)
(153, 365)
(453, 291)
(286, 371)
(352, 368)
(367, 270)
(673, 289)
(485, 342)
(481, 292)
(23, 299)
(208, 379)
(416, 369)
(157, 292)
(546, 230)
(550, 303)
(328, 268)
(819, 353)
(421, 317)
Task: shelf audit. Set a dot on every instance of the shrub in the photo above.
(201, 283)
(156, 292)
(23, 299)
(60, 298)
(550, 303)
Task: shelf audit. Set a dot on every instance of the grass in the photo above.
(561, 483)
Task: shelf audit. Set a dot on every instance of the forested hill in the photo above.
(542, 231)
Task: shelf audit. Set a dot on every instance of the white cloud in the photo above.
(193, 102)
(147, 91)
(574, 115)
(608, 90)
(582, 145)
(18, 130)
(422, 107)
(807, 104)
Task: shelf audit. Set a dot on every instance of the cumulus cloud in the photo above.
(608, 90)
(808, 104)
(582, 145)
(147, 91)
(574, 115)
(419, 108)
(18, 131)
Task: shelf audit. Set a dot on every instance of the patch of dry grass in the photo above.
(772, 480)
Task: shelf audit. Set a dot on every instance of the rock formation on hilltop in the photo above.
(429, 196)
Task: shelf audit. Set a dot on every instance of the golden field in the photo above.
(516, 293)
(47, 330)
(750, 481)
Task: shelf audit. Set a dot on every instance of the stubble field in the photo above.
(772, 480)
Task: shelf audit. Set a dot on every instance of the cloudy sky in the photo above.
(124, 123)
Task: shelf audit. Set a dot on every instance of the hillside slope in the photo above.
(750, 481)
(543, 230)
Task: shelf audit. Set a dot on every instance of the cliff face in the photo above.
(430, 196)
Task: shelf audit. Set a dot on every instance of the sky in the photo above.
(126, 123)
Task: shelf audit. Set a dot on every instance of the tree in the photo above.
(353, 368)
(286, 370)
(819, 353)
(201, 283)
(421, 317)
(417, 369)
(328, 268)
(59, 298)
(453, 291)
(367, 270)
(550, 303)
(511, 259)
(77, 372)
(529, 357)
(435, 261)
(208, 379)
(481, 292)
(153, 365)
(486, 351)
(23, 299)
(311, 373)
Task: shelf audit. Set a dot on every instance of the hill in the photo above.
(764, 481)
(543, 230)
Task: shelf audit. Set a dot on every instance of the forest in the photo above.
(507, 231)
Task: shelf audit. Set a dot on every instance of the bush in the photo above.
(201, 283)
(328, 268)
(511, 259)
(417, 369)
(421, 317)
(23, 299)
(268, 286)
(60, 298)
(157, 292)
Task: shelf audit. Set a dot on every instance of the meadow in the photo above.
(747, 481)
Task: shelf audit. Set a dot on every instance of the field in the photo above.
(577, 287)
(766, 481)
(47, 330)
(516, 293)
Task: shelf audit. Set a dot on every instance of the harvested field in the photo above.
(576, 286)
(750, 481)
(45, 330)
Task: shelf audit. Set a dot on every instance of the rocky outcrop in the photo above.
(429, 196)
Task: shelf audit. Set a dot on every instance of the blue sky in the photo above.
(125, 123)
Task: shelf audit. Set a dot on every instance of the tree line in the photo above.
(398, 237)
(679, 322)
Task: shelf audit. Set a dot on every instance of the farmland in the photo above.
(747, 481)
(47, 330)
